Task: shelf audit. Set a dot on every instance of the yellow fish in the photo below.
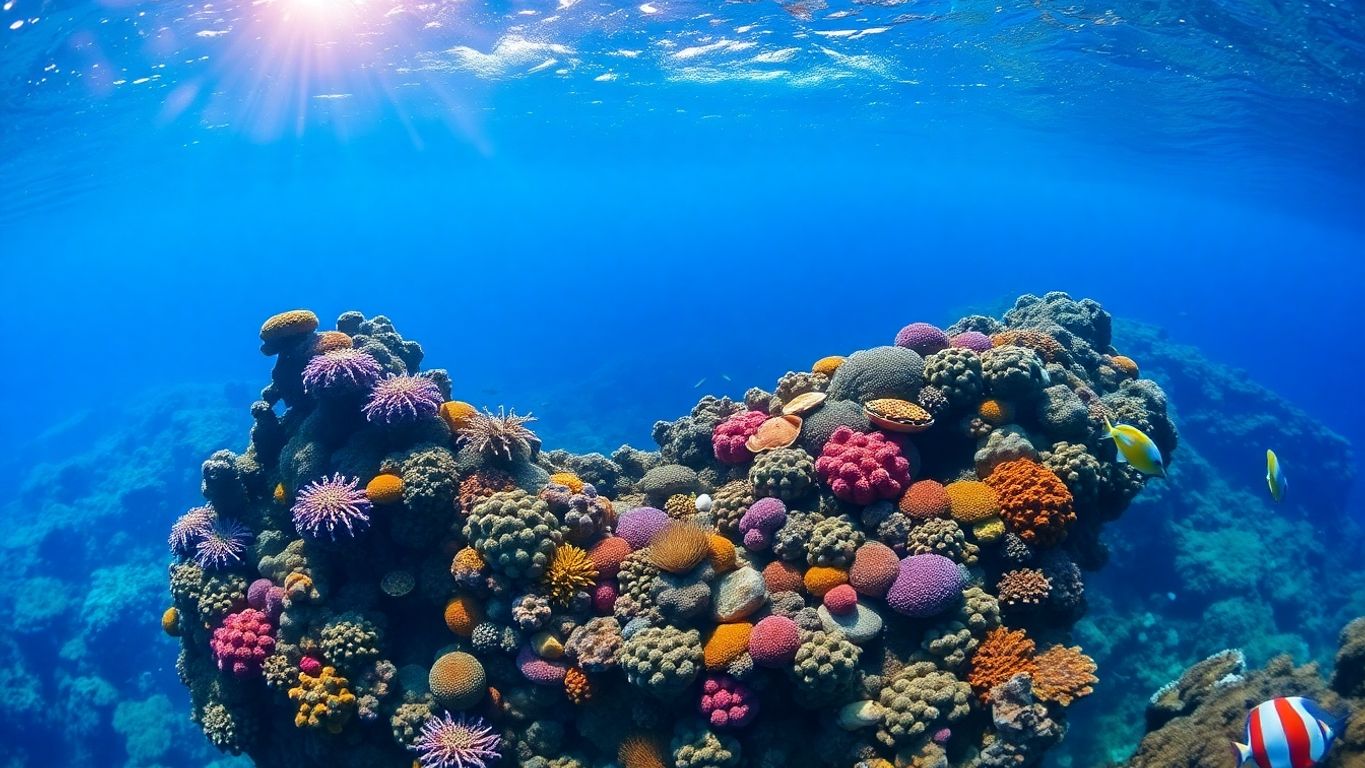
(1274, 476)
(1136, 449)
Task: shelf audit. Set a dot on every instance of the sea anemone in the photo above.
(189, 530)
(222, 543)
(341, 370)
(398, 399)
(457, 742)
(500, 435)
(331, 504)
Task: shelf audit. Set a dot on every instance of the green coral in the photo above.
(954, 639)
(220, 594)
(514, 532)
(833, 541)
(826, 666)
(229, 729)
(791, 540)
(956, 373)
(662, 660)
(786, 473)
(430, 489)
(349, 641)
(920, 699)
(942, 536)
(1012, 373)
(696, 746)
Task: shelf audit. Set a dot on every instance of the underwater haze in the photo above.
(599, 213)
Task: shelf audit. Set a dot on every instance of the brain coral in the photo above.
(924, 499)
(875, 568)
(880, 372)
(1034, 502)
(385, 489)
(730, 436)
(971, 501)
(821, 424)
(515, 533)
(457, 680)
(926, 585)
(761, 522)
(862, 468)
(288, 325)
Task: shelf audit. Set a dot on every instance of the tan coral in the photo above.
(1064, 674)
(777, 432)
(803, 403)
(898, 415)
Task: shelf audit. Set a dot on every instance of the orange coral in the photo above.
(828, 365)
(726, 643)
(568, 480)
(467, 560)
(1064, 675)
(1003, 654)
(385, 489)
(577, 686)
(782, 576)
(1047, 347)
(721, 553)
(1034, 502)
(463, 613)
(456, 414)
(924, 499)
(995, 412)
(679, 547)
(170, 622)
(822, 578)
(971, 501)
(295, 322)
(1124, 364)
(330, 341)
(640, 751)
(279, 495)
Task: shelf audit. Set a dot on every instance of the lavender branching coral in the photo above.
(403, 399)
(329, 505)
(341, 371)
(502, 435)
(457, 742)
(221, 544)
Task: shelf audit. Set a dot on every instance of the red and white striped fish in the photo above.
(1288, 732)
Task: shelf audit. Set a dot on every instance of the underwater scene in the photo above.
(584, 384)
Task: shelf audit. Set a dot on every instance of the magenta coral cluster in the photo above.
(403, 399)
(976, 341)
(729, 437)
(761, 521)
(341, 371)
(265, 597)
(242, 642)
(221, 544)
(726, 702)
(457, 742)
(923, 338)
(862, 468)
(332, 505)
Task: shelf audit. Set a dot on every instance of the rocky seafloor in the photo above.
(83, 679)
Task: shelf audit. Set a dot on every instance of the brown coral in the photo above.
(1003, 654)
(1034, 502)
(640, 751)
(481, 484)
(1064, 674)
(1023, 587)
(1047, 347)
(577, 686)
(679, 547)
(499, 435)
(287, 325)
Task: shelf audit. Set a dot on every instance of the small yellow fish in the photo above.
(1136, 448)
(1274, 476)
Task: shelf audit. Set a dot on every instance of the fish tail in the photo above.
(1241, 753)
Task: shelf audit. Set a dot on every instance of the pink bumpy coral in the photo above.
(639, 526)
(242, 642)
(841, 600)
(538, 670)
(927, 585)
(310, 665)
(862, 468)
(976, 341)
(922, 338)
(726, 702)
(773, 641)
(604, 596)
(760, 521)
(730, 435)
(875, 567)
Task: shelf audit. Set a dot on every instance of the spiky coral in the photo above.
(188, 530)
(221, 544)
(570, 571)
(503, 435)
(457, 742)
(330, 505)
(341, 371)
(401, 399)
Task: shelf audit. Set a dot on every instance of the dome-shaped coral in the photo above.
(971, 501)
(457, 680)
(924, 499)
(923, 338)
(1034, 502)
(288, 325)
(384, 489)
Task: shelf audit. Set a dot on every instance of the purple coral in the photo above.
(222, 544)
(457, 742)
(761, 521)
(331, 504)
(926, 585)
(341, 371)
(399, 399)
(922, 338)
(189, 530)
(976, 341)
(639, 526)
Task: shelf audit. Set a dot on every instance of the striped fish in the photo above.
(1288, 732)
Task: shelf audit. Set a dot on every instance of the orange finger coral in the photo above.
(1003, 654)
(1034, 502)
(1064, 674)
(577, 686)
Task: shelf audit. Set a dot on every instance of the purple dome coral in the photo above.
(222, 543)
(341, 371)
(927, 585)
(189, 530)
(399, 399)
(922, 338)
(331, 504)
(457, 742)
(976, 341)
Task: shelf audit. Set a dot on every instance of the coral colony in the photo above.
(876, 563)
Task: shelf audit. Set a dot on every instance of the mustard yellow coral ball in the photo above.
(456, 414)
(385, 489)
(726, 643)
(568, 480)
(170, 622)
(463, 613)
(995, 412)
(295, 322)
(828, 365)
(971, 501)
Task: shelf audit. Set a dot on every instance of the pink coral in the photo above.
(539, 670)
(761, 521)
(773, 641)
(862, 468)
(604, 596)
(265, 597)
(922, 338)
(242, 642)
(976, 341)
(730, 435)
(875, 568)
(841, 600)
(726, 702)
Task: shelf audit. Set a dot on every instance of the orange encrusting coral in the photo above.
(726, 643)
(577, 686)
(385, 489)
(971, 501)
(463, 613)
(721, 554)
(1047, 347)
(330, 341)
(1003, 654)
(1124, 364)
(828, 365)
(1064, 674)
(568, 480)
(822, 578)
(456, 414)
(995, 412)
(295, 322)
(1034, 502)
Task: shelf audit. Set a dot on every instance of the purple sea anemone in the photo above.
(331, 504)
(189, 530)
(341, 371)
(222, 544)
(398, 399)
(457, 742)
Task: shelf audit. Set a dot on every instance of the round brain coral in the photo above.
(923, 338)
(463, 613)
(1034, 503)
(761, 521)
(880, 372)
(608, 555)
(924, 499)
(726, 643)
(781, 576)
(639, 526)
(385, 489)
(995, 412)
(540, 670)
(971, 501)
(822, 578)
(861, 468)
(457, 414)
(289, 325)
(729, 438)
(976, 341)
(403, 399)
(457, 680)
(875, 568)
(926, 585)
(773, 641)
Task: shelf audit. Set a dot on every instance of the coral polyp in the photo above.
(503, 435)
(221, 544)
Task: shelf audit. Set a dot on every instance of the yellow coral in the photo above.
(1064, 674)
(726, 643)
(577, 686)
(640, 751)
(828, 365)
(170, 622)
(463, 613)
(569, 571)
(456, 414)
(680, 506)
(988, 530)
(298, 584)
(385, 489)
(995, 412)
(822, 578)
(721, 553)
(568, 480)
(467, 560)
(323, 701)
(971, 501)
(279, 495)
(295, 322)
(679, 547)
(1124, 364)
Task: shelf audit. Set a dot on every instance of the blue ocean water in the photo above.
(598, 212)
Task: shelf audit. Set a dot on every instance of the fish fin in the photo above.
(1121, 458)
(1109, 428)
(1241, 753)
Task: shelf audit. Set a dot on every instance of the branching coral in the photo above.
(1034, 502)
